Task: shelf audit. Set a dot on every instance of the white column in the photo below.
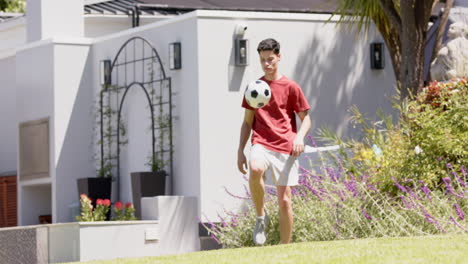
(54, 18)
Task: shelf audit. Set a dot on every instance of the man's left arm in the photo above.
(298, 144)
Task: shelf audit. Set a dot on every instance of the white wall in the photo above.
(53, 18)
(8, 128)
(99, 25)
(51, 82)
(34, 100)
(13, 32)
(332, 67)
(73, 121)
(12, 35)
(136, 114)
(36, 201)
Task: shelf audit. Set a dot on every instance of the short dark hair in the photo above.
(269, 44)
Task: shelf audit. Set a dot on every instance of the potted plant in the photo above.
(148, 183)
(99, 187)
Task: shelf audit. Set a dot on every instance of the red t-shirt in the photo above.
(274, 125)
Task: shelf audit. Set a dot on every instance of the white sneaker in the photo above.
(259, 236)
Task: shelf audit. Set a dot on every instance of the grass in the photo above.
(429, 249)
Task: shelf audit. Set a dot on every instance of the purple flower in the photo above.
(351, 186)
(463, 171)
(414, 195)
(247, 191)
(235, 196)
(456, 223)
(449, 166)
(407, 205)
(429, 218)
(272, 191)
(459, 180)
(331, 172)
(294, 191)
(426, 191)
(439, 158)
(460, 213)
(303, 170)
(340, 194)
(448, 185)
(400, 187)
(214, 238)
(312, 141)
(312, 190)
(245, 178)
(372, 187)
(365, 214)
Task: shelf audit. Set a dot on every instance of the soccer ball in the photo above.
(257, 94)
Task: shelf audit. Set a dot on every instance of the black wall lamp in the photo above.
(175, 56)
(377, 55)
(105, 71)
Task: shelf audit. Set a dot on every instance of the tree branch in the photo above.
(392, 14)
(441, 29)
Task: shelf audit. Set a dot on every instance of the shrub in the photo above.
(432, 131)
(399, 179)
(88, 213)
(335, 205)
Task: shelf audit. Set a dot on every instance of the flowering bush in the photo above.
(87, 212)
(122, 213)
(398, 180)
(432, 131)
(335, 205)
(86, 209)
(102, 208)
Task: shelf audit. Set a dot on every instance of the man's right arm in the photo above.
(244, 136)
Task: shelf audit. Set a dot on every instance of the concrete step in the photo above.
(208, 243)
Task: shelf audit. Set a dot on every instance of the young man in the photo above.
(276, 143)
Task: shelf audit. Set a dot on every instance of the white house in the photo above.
(50, 76)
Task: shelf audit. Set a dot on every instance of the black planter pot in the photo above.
(96, 188)
(147, 184)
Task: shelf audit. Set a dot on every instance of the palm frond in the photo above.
(358, 14)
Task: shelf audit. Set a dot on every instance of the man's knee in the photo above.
(257, 169)
(285, 203)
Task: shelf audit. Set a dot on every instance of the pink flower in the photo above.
(99, 202)
(83, 196)
(128, 205)
(106, 202)
(118, 205)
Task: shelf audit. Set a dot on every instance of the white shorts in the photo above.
(283, 168)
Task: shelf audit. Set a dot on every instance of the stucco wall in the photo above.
(135, 112)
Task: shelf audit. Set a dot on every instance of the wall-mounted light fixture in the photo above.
(105, 71)
(377, 55)
(241, 45)
(175, 56)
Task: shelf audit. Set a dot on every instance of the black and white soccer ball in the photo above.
(257, 94)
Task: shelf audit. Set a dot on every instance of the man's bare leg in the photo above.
(257, 185)
(286, 213)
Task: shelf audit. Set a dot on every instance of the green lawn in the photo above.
(431, 249)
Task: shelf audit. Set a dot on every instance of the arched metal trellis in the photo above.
(136, 65)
